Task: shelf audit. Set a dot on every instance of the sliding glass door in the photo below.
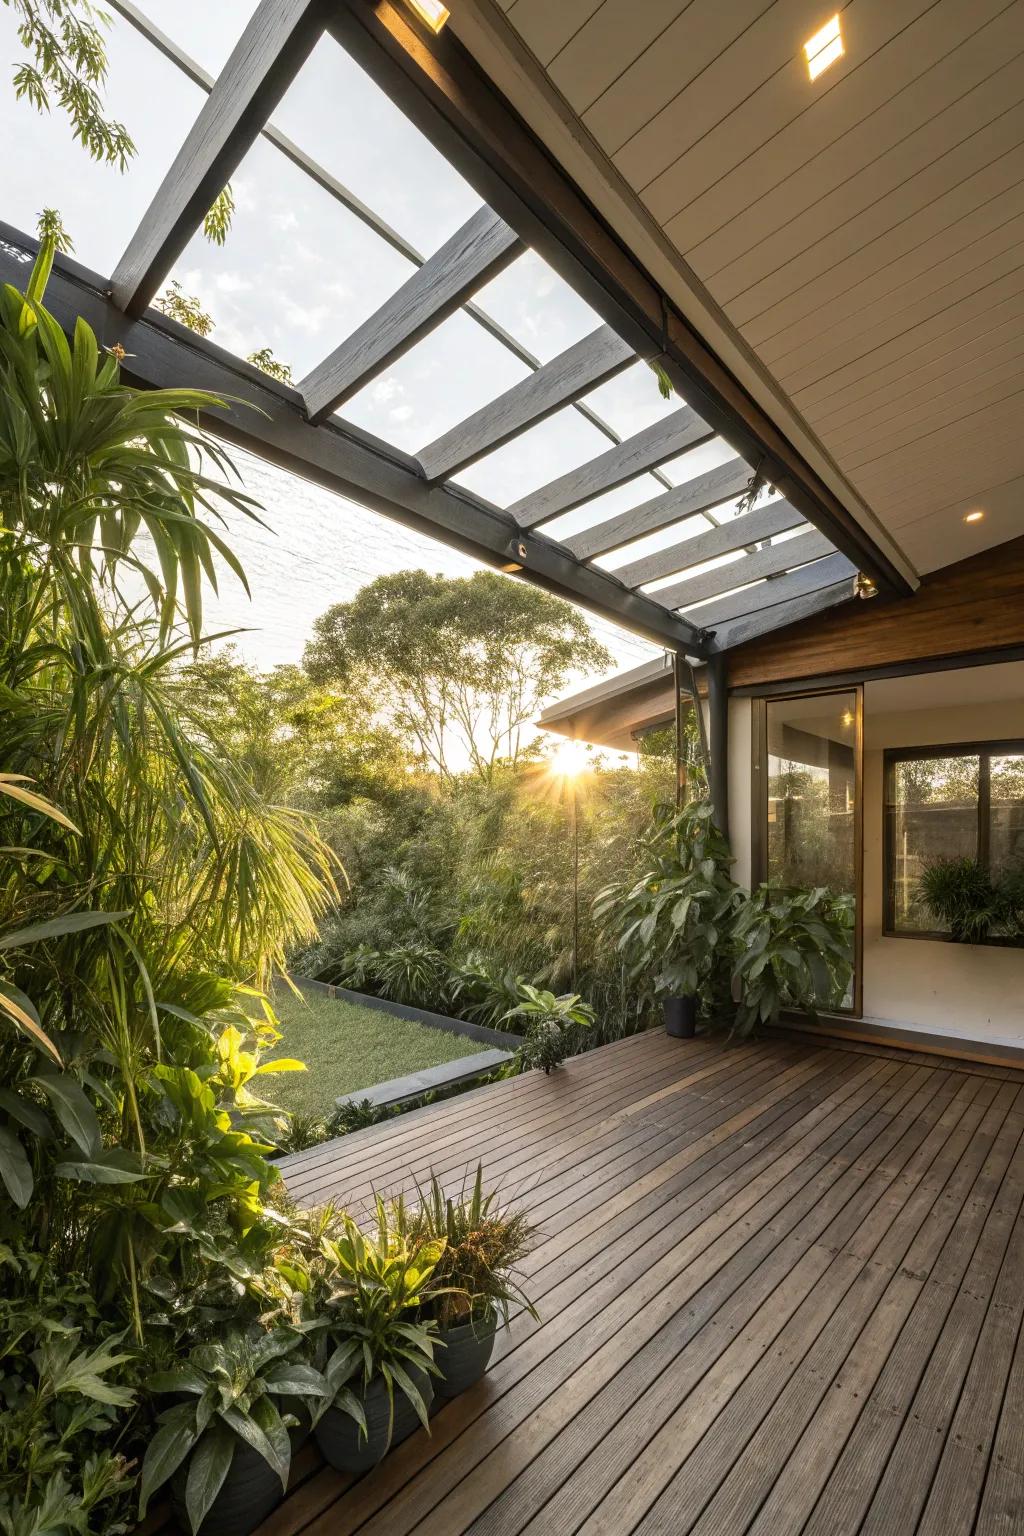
(807, 798)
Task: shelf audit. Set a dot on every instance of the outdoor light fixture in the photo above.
(435, 15)
(824, 47)
(975, 516)
(863, 586)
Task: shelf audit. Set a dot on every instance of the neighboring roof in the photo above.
(574, 471)
(614, 712)
(850, 247)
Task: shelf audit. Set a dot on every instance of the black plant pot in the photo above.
(680, 1017)
(249, 1492)
(465, 1355)
(342, 1441)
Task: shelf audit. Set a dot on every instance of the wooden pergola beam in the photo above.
(664, 439)
(697, 495)
(752, 626)
(580, 367)
(481, 249)
(769, 561)
(776, 592)
(750, 528)
(275, 44)
(268, 418)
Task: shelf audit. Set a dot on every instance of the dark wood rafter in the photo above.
(275, 44)
(268, 418)
(777, 590)
(482, 248)
(584, 365)
(771, 560)
(701, 494)
(718, 740)
(750, 528)
(663, 440)
(752, 626)
(441, 88)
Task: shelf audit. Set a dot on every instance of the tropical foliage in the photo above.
(793, 948)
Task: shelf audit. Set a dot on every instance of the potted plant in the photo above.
(963, 895)
(473, 1281)
(792, 948)
(224, 1442)
(378, 1352)
(670, 925)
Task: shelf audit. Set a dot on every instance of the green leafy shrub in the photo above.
(792, 948)
(554, 1026)
(971, 901)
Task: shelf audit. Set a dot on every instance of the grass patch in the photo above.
(346, 1047)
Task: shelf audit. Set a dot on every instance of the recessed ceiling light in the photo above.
(431, 11)
(824, 47)
(974, 517)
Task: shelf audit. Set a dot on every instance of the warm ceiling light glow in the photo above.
(568, 759)
(434, 14)
(974, 517)
(847, 717)
(824, 47)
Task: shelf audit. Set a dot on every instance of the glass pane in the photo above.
(537, 307)
(1006, 824)
(933, 815)
(812, 794)
(206, 32)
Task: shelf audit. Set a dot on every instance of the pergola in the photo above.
(716, 577)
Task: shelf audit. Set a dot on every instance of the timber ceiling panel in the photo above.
(862, 234)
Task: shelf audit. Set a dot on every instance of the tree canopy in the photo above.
(459, 665)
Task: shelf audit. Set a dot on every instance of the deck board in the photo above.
(780, 1288)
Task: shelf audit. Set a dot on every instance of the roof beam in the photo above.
(268, 419)
(479, 250)
(441, 87)
(769, 561)
(752, 625)
(588, 363)
(275, 44)
(697, 495)
(749, 528)
(778, 589)
(664, 439)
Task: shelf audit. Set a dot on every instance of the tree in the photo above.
(460, 665)
(68, 61)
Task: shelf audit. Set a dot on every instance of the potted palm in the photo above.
(377, 1351)
(473, 1283)
(670, 925)
(224, 1443)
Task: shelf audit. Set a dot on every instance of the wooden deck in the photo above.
(781, 1289)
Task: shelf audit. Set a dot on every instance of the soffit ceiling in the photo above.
(860, 235)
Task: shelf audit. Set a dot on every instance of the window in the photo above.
(948, 802)
(807, 788)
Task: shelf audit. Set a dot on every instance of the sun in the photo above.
(569, 759)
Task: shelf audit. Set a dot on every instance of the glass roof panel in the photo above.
(340, 117)
(698, 461)
(651, 543)
(534, 458)
(435, 385)
(537, 307)
(101, 208)
(298, 272)
(632, 400)
(207, 33)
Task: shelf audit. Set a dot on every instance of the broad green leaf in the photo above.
(22, 1010)
(74, 1112)
(166, 1451)
(15, 1169)
(26, 1113)
(211, 1461)
(57, 927)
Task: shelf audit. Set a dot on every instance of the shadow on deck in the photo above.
(781, 1289)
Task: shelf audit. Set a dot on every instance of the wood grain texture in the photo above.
(478, 251)
(580, 367)
(275, 43)
(662, 440)
(700, 494)
(975, 605)
(750, 528)
(780, 589)
(769, 1279)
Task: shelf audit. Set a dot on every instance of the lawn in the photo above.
(346, 1048)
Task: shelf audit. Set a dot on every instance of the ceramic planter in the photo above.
(680, 1017)
(249, 1492)
(465, 1354)
(343, 1443)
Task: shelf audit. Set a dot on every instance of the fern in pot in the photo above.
(224, 1443)
(473, 1286)
(377, 1346)
(670, 926)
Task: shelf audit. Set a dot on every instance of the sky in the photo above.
(298, 273)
